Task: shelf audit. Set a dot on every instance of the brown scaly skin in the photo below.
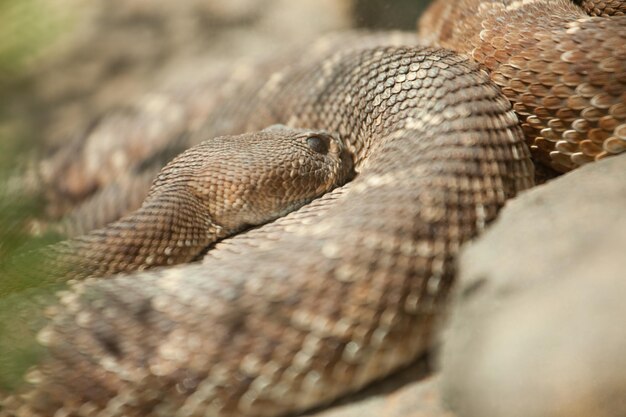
(275, 326)
(604, 7)
(564, 72)
(211, 191)
(322, 312)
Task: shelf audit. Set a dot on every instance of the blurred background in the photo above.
(64, 65)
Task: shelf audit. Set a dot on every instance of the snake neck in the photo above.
(168, 229)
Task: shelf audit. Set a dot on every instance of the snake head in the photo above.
(251, 179)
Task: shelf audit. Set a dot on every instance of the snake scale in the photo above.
(348, 288)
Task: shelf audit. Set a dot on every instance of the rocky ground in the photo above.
(537, 327)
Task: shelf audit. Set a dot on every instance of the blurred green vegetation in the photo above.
(20, 320)
(27, 27)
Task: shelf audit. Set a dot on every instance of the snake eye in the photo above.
(319, 144)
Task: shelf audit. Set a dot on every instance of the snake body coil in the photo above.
(348, 288)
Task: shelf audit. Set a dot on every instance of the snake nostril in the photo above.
(319, 144)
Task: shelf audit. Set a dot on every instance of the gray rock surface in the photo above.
(539, 323)
(409, 393)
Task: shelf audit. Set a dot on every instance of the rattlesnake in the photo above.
(348, 288)
(211, 191)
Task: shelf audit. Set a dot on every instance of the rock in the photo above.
(408, 393)
(538, 329)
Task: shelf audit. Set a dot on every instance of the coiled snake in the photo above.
(348, 288)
